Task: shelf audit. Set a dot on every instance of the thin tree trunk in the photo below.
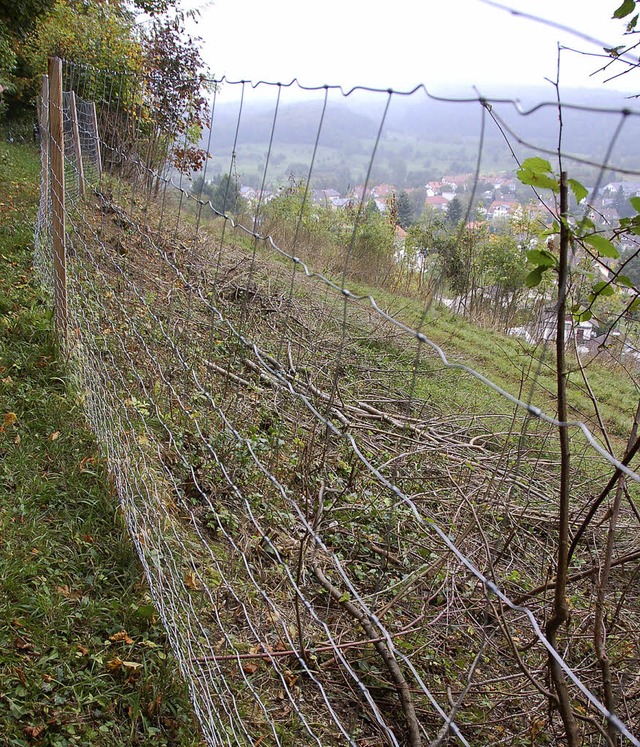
(560, 607)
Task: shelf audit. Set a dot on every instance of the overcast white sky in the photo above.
(401, 43)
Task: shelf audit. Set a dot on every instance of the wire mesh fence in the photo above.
(349, 530)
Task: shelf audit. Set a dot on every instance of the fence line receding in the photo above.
(343, 492)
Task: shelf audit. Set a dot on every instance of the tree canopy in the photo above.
(169, 73)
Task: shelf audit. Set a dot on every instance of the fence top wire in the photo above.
(516, 104)
(346, 92)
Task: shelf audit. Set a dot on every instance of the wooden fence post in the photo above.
(77, 146)
(56, 152)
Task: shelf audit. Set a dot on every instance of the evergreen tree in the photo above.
(224, 194)
(198, 185)
(372, 208)
(622, 205)
(405, 210)
(454, 212)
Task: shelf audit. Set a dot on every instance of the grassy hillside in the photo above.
(83, 657)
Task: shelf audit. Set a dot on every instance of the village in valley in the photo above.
(498, 205)
(496, 200)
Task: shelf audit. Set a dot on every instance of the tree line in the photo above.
(133, 56)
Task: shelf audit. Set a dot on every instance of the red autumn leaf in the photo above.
(33, 732)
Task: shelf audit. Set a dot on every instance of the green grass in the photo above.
(69, 578)
(515, 366)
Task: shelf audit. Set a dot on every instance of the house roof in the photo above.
(627, 187)
(382, 190)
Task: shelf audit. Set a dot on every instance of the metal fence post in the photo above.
(43, 126)
(56, 154)
(77, 146)
(98, 154)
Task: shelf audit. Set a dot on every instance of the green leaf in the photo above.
(542, 258)
(602, 245)
(536, 179)
(534, 277)
(583, 316)
(635, 203)
(579, 191)
(603, 289)
(635, 304)
(537, 173)
(624, 280)
(536, 164)
(627, 7)
(555, 228)
(587, 224)
(145, 611)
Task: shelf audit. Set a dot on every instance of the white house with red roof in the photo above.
(437, 202)
(501, 209)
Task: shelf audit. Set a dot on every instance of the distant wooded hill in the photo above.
(422, 138)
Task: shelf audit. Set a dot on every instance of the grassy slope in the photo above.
(523, 370)
(515, 366)
(69, 579)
